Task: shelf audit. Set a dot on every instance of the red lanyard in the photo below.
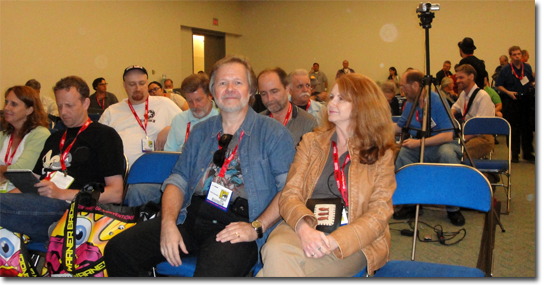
(187, 132)
(339, 173)
(514, 72)
(286, 116)
(446, 74)
(231, 156)
(63, 140)
(417, 116)
(308, 106)
(145, 114)
(8, 159)
(103, 101)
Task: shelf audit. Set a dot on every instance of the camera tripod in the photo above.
(426, 18)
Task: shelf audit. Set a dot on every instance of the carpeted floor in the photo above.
(515, 249)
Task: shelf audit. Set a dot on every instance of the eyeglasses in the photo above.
(219, 155)
(153, 90)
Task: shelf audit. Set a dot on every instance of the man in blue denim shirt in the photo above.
(220, 209)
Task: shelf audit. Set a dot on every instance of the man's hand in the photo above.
(411, 143)
(161, 138)
(171, 241)
(237, 232)
(512, 94)
(49, 189)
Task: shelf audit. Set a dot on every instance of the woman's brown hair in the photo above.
(30, 98)
(371, 132)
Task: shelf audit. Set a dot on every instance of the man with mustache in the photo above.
(300, 90)
(141, 120)
(274, 90)
(197, 93)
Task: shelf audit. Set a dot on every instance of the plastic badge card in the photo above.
(219, 196)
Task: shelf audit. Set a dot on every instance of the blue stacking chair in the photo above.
(492, 126)
(444, 184)
(152, 167)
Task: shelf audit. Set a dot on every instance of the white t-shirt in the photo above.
(178, 99)
(119, 116)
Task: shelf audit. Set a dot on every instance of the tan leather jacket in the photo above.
(370, 188)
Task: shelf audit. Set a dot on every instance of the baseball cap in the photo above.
(133, 67)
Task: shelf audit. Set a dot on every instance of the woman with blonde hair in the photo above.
(24, 132)
(336, 203)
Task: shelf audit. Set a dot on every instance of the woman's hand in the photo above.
(314, 243)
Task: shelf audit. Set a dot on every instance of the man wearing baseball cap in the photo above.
(466, 50)
(143, 123)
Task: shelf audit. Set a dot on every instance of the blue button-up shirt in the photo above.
(266, 152)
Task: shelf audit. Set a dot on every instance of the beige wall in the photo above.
(296, 34)
(47, 40)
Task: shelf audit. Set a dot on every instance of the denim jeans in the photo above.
(444, 153)
(134, 251)
(30, 214)
(139, 194)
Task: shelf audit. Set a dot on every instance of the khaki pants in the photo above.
(480, 146)
(283, 257)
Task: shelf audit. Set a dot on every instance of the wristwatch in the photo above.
(258, 228)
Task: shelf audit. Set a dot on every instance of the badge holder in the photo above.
(148, 145)
(219, 196)
(61, 179)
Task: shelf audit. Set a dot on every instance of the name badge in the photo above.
(148, 145)
(62, 181)
(344, 220)
(219, 196)
(4, 186)
(524, 80)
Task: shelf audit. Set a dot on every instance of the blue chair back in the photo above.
(94, 117)
(395, 118)
(487, 126)
(442, 184)
(152, 167)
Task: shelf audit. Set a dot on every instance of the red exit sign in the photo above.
(215, 22)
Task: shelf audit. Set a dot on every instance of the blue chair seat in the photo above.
(36, 246)
(408, 268)
(486, 165)
(187, 268)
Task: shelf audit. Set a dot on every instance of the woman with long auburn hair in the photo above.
(337, 199)
(24, 126)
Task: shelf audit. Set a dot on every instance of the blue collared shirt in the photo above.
(176, 136)
(266, 152)
(438, 117)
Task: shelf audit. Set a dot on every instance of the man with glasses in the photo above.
(101, 99)
(155, 89)
(221, 199)
(300, 90)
